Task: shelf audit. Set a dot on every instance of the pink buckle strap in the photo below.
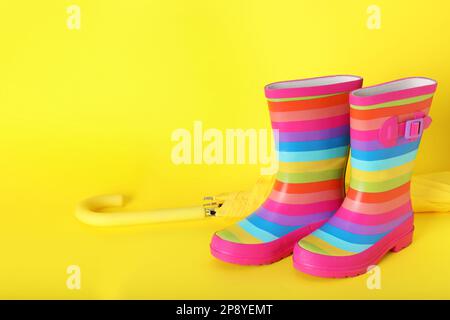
(412, 129)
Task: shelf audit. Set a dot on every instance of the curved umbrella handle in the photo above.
(89, 212)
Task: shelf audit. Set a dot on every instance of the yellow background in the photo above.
(91, 111)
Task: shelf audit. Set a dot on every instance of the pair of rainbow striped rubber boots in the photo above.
(333, 233)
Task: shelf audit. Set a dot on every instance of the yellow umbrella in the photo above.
(430, 193)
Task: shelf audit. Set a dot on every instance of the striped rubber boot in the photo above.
(387, 122)
(312, 120)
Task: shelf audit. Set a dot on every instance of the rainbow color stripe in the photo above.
(312, 151)
(378, 199)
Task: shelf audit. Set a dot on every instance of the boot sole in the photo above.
(261, 253)
(358, 264)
